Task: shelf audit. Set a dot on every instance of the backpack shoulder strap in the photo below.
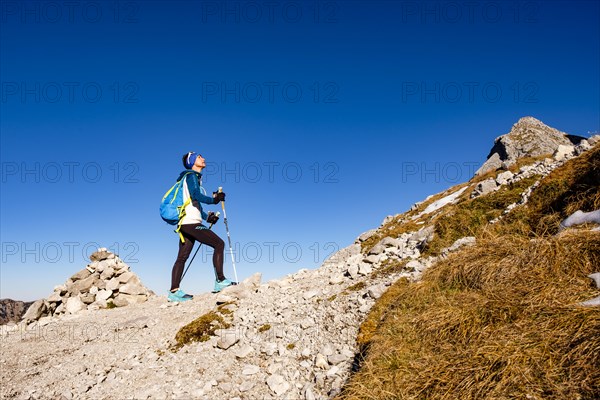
(182, 209)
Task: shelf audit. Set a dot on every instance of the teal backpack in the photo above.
(172, 207)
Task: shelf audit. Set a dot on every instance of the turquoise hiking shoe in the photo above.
(179, 296)
(222, 285)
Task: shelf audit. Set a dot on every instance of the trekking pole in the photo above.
(228, 236)
(194, 256)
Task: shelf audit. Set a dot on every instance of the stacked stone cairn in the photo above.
(104, 283)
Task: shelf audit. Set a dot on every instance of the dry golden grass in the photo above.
(571, 187)
(355, 288)
(499, 320)
(496, 321)
(470, 217)
(389, 267)
(384, 305)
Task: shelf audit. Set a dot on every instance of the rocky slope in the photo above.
(292, 338)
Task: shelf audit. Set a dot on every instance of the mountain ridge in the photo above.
(296, 337)
(12, 310)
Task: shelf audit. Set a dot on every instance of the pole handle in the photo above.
(222, 203)
(218, 213)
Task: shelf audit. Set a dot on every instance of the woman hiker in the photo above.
(192, 229)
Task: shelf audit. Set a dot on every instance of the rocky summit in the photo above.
(103, 335)
(529, 137)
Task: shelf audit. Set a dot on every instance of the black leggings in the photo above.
(204, 236)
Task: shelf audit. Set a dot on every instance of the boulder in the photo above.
(101, 254)
(321, 361)
(54, 297)
(107, 273)
(595, 302)
(372, 259)
(84, 285)
(309, 393)
(504, 177)
(100, 284)
(223, 298)
(389, 242)
(120, 267)
(377, 249)
(132, 288)
(365, 269)
(485, 187)
(104, 294)
(423, 235)
(84, 273)
(113, 284)
(563, 152)
(244, 351)
(278, 384)
(88, 298)
(61, 289)
(126, 277)
(579, 217)
(227, 340)
(584, 145)
(122, 300)
(100, 303)
(353, 271)
(251, 370)
(493, 163)
(74, 305)
(413, 265)
(69, 286)
(596, 278)
(366, 235)
(101, 266)
(387, 220)
(376, 291)
(35, 311)
(337, 358)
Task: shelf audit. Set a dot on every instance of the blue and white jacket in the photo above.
(194, 214)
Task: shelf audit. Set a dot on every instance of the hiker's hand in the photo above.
(219, 197)
(212, 218)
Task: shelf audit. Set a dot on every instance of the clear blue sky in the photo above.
(317, 118)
